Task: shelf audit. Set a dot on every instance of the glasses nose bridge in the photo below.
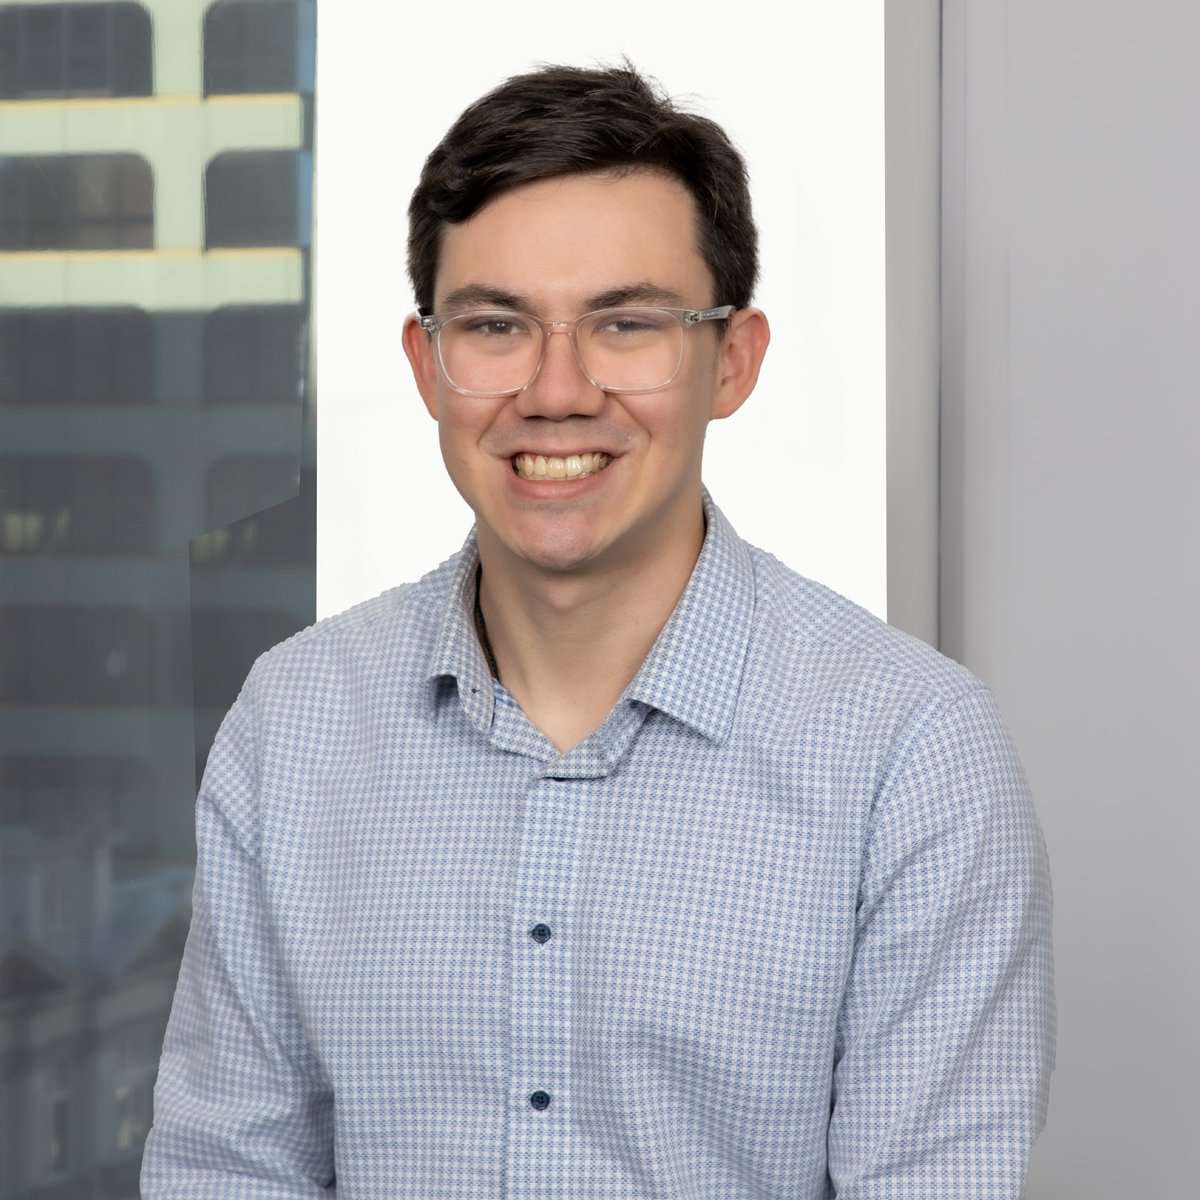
(549, 329)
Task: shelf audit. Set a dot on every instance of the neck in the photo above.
(578, 641)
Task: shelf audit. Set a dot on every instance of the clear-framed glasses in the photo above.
(497, 352)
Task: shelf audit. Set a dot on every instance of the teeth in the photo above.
(574, 466)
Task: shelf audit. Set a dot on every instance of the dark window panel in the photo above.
(225, 643)
(43, 45)
(76, 202)
(101, 655)
(64, 50)
(242, 485)
(23, 979)
(88, 54)
(53, 793)
(76, 356)
(10, 55)
(254, 355)
(241, 482)
(251, 198)
(132, 57)
(76, 504)
(280, 536)
(250, 46)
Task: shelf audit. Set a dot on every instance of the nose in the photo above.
(560, 384)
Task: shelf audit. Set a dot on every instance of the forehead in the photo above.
(561, 240)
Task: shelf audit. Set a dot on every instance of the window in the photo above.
(135, 1053)
(247, 482)
(251, 46)
(225, 643)
(279, 536)
(254, 355)
(55, 1119)
(74, 50)
(45, 792)
(251, 198)
(76, 202)
(93, 655)
(76, 356)
(76, 504)
(120, 387)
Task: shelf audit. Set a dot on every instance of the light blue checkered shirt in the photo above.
(780, 929)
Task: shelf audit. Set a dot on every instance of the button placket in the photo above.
(540, 1010)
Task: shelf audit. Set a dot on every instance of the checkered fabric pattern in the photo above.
(780, 929)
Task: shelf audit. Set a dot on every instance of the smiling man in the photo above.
(612, 859)
(581, 571)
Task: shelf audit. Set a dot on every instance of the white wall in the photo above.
(800, 470)
(1071, 529)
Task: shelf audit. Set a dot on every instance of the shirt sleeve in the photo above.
(946, 1037)
(240, 1106)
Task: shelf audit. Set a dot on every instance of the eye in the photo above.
(632, 323)
(626, 325)
(495, 327)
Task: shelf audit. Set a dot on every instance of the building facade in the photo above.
(156, 515)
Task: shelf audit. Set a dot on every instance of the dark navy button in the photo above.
(539, 1100)
(540, 932)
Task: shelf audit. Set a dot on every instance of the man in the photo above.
(611, 858)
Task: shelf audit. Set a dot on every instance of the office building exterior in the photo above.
(156, 515)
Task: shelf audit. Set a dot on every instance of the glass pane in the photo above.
(130, 64)
(157, 527)
(98, 356)
(252, 198)
(251, 47)
(253, 355)
(42, 50)
(10, 53)
(74, 201)
(88, 50)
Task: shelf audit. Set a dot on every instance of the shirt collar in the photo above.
(693, 670)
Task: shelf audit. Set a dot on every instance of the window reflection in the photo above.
(226, 649)
(252, 198)
(250, 46)
(76, 202)
(76, 504)
(254, 354)
(241, 478)
(98, 356)
(134, 1054)
(87, 655)
(279, 536)
(157, 516)
(74, 50)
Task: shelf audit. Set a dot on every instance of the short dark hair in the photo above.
(561, 120)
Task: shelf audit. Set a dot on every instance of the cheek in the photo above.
(455, 447)
(461, 435)
(675, 427)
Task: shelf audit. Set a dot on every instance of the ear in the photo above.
(418, 346)
(739, 358)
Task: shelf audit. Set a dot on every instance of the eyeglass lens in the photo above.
(619, 349)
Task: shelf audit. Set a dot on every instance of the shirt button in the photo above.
(539, 1100)
(540, 932)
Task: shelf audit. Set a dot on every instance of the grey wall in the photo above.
(912, 123)
(1070, 527)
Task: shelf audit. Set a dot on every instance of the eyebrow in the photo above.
(644, 291)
